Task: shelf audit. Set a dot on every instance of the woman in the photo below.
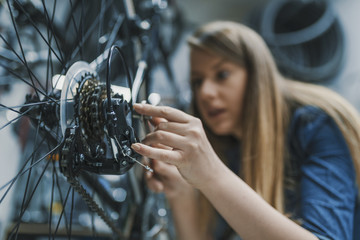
(277, 159)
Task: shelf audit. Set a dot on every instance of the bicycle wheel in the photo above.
(60, 51)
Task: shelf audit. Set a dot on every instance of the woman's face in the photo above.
(219, 86)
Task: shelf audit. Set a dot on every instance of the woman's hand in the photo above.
(166, 178)
(180, 194)
(185, 144)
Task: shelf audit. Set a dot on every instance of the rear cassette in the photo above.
(91, 141)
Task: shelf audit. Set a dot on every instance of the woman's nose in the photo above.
(208, 90)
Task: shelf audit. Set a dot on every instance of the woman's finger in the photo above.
(170, 114)
(153, 183)
(165, 138)
(155, 121)
(162, 146)
(165, 155)
(164, 171)
(174, 127)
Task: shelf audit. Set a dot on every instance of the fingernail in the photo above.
(135, 146)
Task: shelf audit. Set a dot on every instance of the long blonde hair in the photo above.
(269, 98)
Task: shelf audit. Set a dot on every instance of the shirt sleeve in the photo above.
(328, 190)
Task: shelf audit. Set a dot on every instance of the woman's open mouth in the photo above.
(215, 113)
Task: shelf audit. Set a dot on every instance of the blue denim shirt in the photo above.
(325, 195)
(321, 192)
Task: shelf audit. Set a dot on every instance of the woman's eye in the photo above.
(222, 75)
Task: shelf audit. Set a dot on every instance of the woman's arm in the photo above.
(249, 215)
(246, 212)
(185, 211)
(182, 197)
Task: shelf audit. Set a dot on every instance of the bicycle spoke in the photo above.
(20, 45)
(29, 199)
(100, 28)
(52, 199)
(50, 26)
(23, 80)
(7, 54)
(88, 33)
(15, 119)
(22, 171)
(62, 203)
(63, 210)
(27, 181)
(8, 108)
(59, 58)
(77, 30)
(54, 180)
(49, 58)
(23, 62)
(27, 105)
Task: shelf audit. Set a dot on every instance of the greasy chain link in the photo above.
(92, 204)
(91, 94)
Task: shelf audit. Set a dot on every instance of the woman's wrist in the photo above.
(183, 193)
(211, 173)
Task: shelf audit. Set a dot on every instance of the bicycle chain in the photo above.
(93, 205)
(67, 169)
